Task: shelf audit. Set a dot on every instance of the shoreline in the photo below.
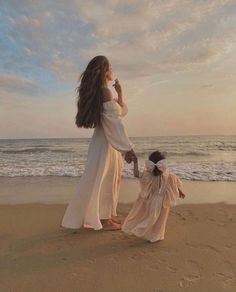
(59, 190)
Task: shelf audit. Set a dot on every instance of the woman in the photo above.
(94, 204)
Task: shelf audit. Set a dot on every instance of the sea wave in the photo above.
(33, 150)
(188, 171)
(175, 153)
(204, 158)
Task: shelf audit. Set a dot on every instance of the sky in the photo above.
(175, 59)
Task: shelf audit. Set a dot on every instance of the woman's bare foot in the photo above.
(109, 224)
(116, 220)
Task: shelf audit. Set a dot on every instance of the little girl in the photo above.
(159, 189)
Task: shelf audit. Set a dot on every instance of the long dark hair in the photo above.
(155, 157)
(90, 99)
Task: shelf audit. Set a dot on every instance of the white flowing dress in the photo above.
(98, 188)
(148, 215)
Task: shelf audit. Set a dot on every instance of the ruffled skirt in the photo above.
(147, 218)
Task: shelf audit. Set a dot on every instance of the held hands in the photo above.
(130, 156)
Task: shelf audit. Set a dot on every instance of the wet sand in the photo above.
(59, 190)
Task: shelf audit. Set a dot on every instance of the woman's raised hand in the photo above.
(117, 87)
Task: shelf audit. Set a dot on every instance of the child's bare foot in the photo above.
(109, 224)
(149, 241)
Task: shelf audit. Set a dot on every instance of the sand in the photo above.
(197, 254)
(55, 189)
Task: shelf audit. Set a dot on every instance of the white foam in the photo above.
(205, 158)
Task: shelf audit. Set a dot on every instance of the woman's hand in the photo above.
(119, 92)
(130, 156)
(118, 87)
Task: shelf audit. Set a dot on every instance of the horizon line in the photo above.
(187, 135)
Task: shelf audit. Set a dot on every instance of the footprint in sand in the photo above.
(155, 267)
(193, 277)
(185, 216)
(161, 261)
(188, 281)
(227, 280)
(230, 245)
(136, 256)
(172, 269)
(228, 216)
(228, 277)
(203, 246)
(190, 215)
(179, 217)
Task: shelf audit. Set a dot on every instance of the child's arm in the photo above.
(136, 170)
(181, 194)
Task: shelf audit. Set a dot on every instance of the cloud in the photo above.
(50, 116)
(13, 83)
(140, 37)
(65, 70)
(25, 20)
(164, 52)
(209, 85)
(42, 40)
(30, 21)
(156, 36)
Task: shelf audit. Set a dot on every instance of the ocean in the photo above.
(202, 158)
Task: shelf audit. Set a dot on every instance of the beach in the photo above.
(197, 254)
(98, 93)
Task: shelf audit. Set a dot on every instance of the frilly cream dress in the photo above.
(98, 188)
(148, 215)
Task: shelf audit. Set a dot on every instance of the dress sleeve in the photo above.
(177, 183)
(114, 128)
(172, 190)
(145, 185)
(124, 108)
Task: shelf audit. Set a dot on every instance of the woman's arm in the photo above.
(114, 128)
(116, 133)
(118, 89)
(120, 99)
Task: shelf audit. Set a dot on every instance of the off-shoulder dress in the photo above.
(98, 188)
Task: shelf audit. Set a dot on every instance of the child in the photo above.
(159, 188)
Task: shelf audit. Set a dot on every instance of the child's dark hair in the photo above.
(155, 157)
